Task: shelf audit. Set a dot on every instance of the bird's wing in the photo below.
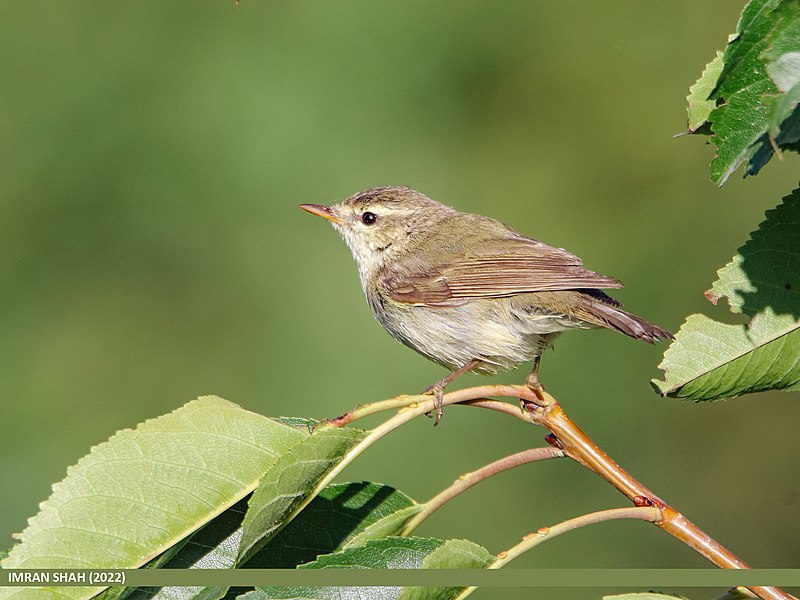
(497, 268)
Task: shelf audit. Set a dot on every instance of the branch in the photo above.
(546, 411)
(645, 513)
(541, 408)
(463, 483)
(404, 401)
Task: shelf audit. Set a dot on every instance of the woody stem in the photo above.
(466, 481)
(542, 409)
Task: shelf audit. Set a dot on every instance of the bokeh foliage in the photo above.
(152, 251)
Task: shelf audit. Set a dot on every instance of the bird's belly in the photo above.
(498, 332)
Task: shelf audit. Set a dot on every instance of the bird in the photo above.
(466, 291)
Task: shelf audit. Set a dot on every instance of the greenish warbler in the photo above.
(466, 291)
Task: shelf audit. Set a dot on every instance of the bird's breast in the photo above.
(490, 330)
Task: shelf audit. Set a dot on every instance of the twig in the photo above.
(543, 409)
(466, 481)
(468, 395)
(546, 411)
(737, 593)
(364, 410)
(645, 513)
(410, 408)
(578, 446)
(410, 412)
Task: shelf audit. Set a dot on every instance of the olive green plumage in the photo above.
(464, 289)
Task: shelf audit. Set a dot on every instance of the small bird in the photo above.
(466, 291)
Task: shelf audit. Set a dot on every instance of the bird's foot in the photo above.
(437, 390)
(533, 382)
(537, 388)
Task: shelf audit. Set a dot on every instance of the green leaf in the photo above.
(291, 482)
(699, 106)
(387, 526)
(324, 593)
(755, 93)
(389, 553)
(213, 547)
(644, 596)
(342, 515)
(736, 593)
(742, 118)
(177, 593)
(298, 422)
(136, 495)
(457, 554)
(710, 360)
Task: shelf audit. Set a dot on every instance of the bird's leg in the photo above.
(533, 383)
(437, 389)
(533, 379)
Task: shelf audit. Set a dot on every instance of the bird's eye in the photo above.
(369, 218)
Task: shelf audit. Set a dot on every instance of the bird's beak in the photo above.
(326, 212)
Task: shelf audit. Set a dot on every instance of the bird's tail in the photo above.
(614, 317)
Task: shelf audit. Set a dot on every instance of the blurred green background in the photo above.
(152, 251)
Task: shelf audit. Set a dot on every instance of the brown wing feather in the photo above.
(496, 268)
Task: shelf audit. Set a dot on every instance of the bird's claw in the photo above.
(437, 389)
(533, 384)
(528, 406)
